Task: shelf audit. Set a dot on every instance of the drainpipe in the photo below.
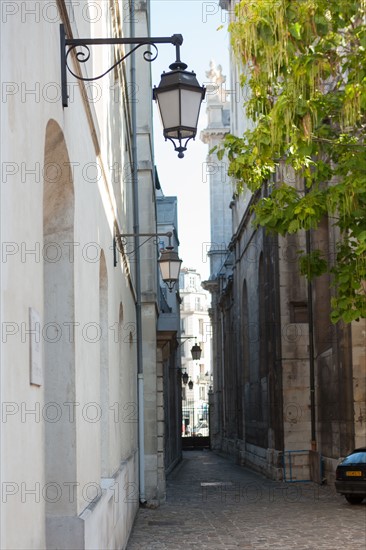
(136, 230)
(311, 352)
(311, 344)
(223, 396)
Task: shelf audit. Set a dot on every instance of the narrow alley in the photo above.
(215, 504)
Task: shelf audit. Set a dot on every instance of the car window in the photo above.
(355, 458)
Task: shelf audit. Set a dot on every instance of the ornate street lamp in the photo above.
(179, 98)
(169, 263)
(185, 378)
(196, 352)
(178, 95)
(190, 385)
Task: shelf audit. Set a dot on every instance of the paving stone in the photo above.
(215, 504)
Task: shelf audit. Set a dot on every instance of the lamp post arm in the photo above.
(167, 234)
(123, 236)
(184, 339)
(68, 45)
(175, 39)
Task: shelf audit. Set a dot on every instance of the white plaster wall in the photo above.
(23, 441)
(23, 121)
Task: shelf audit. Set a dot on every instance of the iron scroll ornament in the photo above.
(123, 245)
(83, 56)
(120, 242)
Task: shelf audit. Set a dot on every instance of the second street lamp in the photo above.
(169, 260)
(169, 263)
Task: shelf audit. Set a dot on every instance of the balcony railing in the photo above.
(193, 307)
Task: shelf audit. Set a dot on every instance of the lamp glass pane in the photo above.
(175, 134)
(169, 108)
(165, 271)
(191, 103)
(170, 269)
(175, 269)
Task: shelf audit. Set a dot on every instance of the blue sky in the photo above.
(198, 22)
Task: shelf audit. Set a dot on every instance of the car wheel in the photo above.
(354, 499)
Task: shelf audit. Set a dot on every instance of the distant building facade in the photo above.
(195, 322)
(218, 125)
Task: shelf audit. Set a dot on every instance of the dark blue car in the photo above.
(351, 476)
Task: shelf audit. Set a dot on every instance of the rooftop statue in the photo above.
(216, 89)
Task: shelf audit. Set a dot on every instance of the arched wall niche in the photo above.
(59, 318)
(58, 194)
(104, 366)
(263, 318)
(245, 330)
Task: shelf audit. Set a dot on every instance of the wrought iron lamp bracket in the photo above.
(69, 45)
(123, 239)
(184, 339)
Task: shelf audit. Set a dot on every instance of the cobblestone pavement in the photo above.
(214, 504)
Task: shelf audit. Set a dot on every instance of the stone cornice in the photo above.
(208, 133)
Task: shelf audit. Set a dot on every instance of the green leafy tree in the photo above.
(304, 62)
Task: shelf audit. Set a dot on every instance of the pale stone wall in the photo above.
(270, 418)
(294, 341)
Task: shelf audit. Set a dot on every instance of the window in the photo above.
(298, 312)
(354, 458)
(202, 393)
